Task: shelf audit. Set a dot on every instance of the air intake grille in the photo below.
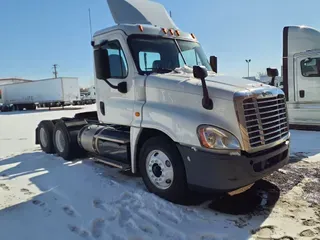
(265, 119)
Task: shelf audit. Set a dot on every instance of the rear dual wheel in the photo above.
(55, 138)
(45, 136)
(65, 142)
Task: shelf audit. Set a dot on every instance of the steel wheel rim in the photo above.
(60, 140)
(43, 137)
(159, 169)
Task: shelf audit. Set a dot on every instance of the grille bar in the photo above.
(275, 105)
(266, 119)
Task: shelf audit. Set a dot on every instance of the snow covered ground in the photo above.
(44, 197)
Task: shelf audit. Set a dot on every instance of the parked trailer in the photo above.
(45, 93)
(180, 125)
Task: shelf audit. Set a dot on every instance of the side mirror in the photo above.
(101, 62)
(272, 72)
(200, 72)
(214, 63)
(122, 87)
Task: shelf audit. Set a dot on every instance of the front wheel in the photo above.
(162, 169)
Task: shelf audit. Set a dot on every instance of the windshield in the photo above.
(162, 55)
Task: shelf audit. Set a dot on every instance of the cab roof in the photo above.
(130, 29)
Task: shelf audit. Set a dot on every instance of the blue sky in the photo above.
(38, 33)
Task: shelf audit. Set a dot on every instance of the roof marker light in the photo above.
(171, 32)
(164, 30)
(178, 33)
(193, 36)
(141, 28)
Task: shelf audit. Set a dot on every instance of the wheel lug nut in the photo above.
(168, 164)
(168, 181)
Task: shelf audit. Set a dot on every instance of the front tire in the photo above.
(162, 169)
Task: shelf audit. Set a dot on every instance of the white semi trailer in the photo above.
(163, 112)
(301, 75)
(47, 93)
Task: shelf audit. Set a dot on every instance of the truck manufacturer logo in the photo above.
(266, 93)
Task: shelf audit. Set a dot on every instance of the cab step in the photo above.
(113, 163)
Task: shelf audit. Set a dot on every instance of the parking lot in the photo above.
(44, 197)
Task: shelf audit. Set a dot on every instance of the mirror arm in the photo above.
(111, 85)
(272, 83)
(206, 100)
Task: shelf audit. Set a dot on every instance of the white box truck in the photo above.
(47, 93)
(164, 112)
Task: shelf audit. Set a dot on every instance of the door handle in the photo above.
(302, 93)
(102, 109)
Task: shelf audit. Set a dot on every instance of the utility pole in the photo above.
(248, 61)
(90, 24)
(55, 72)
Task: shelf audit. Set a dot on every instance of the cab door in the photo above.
(115, 107)
(307, 78)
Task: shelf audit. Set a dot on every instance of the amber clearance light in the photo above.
(164, 30)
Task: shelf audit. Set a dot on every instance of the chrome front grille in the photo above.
(265, 119)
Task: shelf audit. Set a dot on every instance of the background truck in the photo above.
(301, 76)
(164, 112)
(45, 93)
(89, 97)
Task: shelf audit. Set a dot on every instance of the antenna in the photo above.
(90, 24)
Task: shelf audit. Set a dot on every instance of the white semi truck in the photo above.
(89, 97)
(51, 92)
(163, 112)
(301, 75)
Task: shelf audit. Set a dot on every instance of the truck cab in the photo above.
(301, 75)
(165, 113)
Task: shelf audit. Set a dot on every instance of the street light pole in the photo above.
(248, 61)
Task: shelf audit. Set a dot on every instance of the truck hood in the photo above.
(222, 87)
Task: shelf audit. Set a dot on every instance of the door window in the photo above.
(310, 67)
(117, 60)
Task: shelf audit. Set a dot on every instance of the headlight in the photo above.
(215, 138)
